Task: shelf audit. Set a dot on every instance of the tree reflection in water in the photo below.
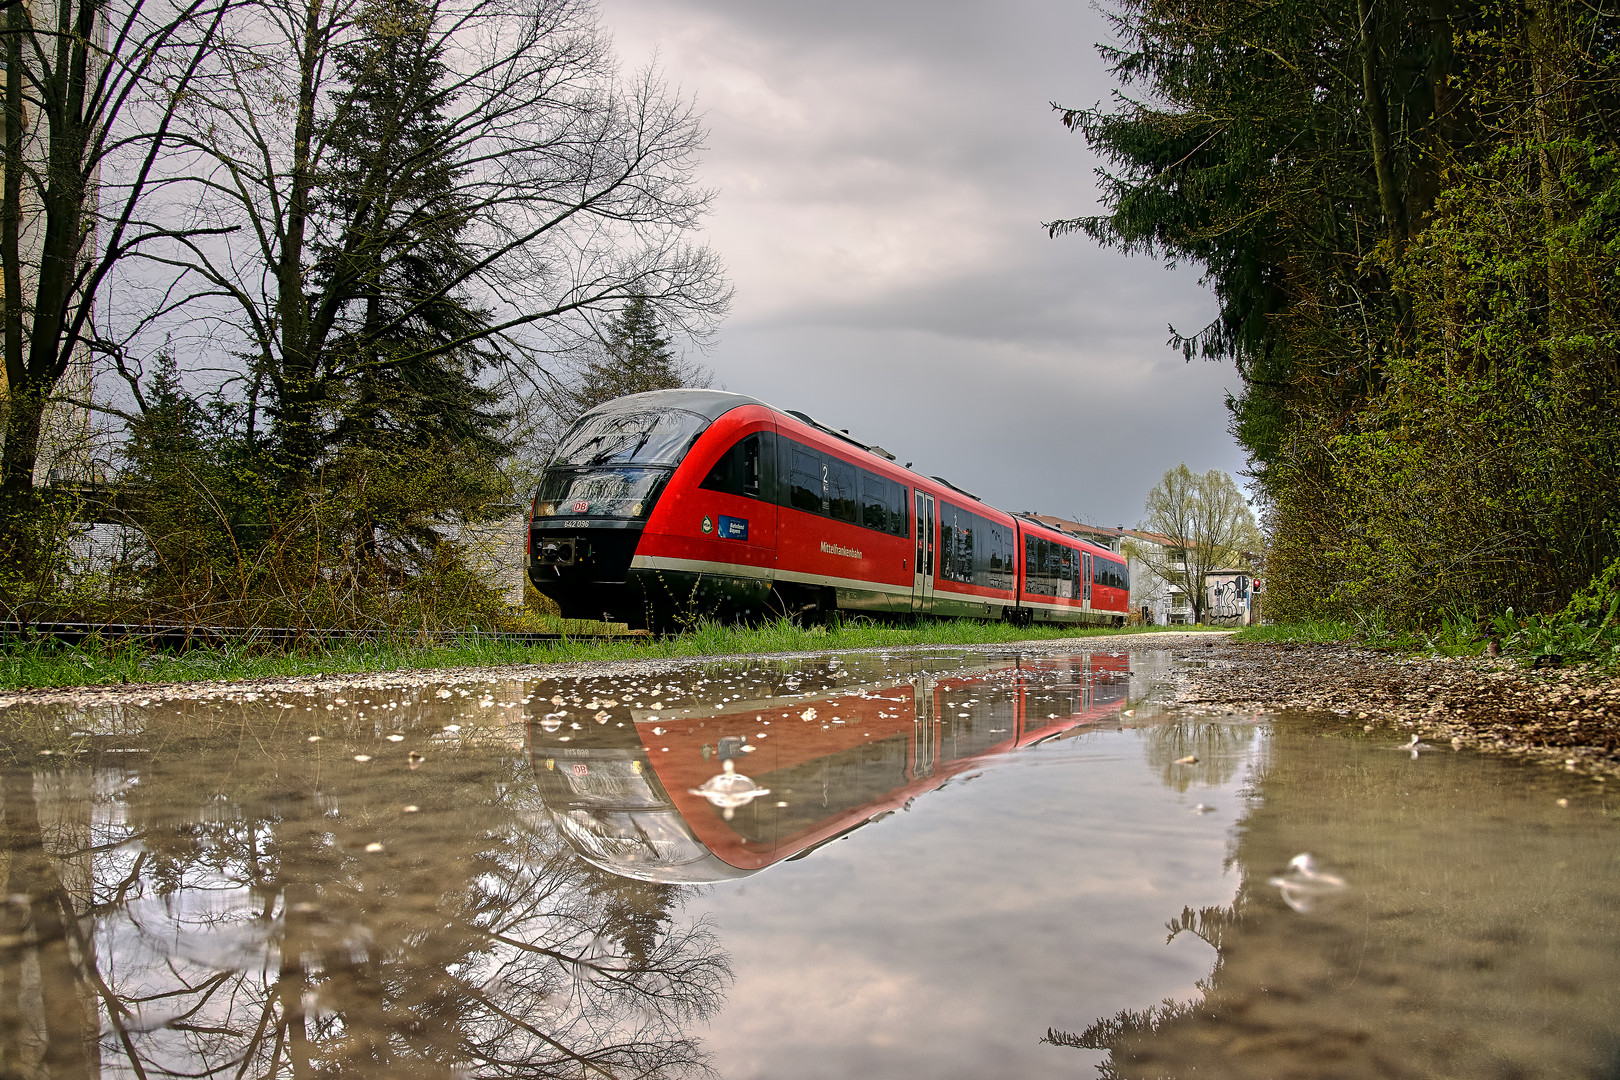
(1121, 1035)
(251, 905)
(1219, 747)
(1475, 938)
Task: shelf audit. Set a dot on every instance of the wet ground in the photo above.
(1565, 716)
(947, 863)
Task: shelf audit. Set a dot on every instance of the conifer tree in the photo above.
(406, 427)
(1407, 216)
(635, 355)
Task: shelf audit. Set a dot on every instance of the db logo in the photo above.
(581, 505)
(582, 770)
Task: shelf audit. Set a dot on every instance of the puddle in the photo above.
(964, 864)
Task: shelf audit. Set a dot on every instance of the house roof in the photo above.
(1099, 534)
(1150, 537)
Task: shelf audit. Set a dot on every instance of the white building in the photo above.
(1154, 601)
(1229, 593)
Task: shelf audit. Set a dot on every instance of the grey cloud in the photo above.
(1088, 435)
(883, 173)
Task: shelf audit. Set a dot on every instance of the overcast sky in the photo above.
(883, 170)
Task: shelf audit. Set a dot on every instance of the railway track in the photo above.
(162, 636)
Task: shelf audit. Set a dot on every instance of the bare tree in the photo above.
(557, 191)
(1208, 523)
(90, 94)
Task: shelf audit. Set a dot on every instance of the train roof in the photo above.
(712, 404)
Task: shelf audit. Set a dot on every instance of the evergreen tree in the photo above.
(411, 435)
(634, 356)
(195, 495)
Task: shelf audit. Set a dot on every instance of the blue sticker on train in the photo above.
(733, 528)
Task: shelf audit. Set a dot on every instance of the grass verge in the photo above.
(1314, 631)
(1548, 639)
(37, 666)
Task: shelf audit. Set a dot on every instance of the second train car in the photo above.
(685, 503)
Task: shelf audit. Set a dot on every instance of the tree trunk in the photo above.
(1389, 193)
(1549, 74)
(70, 1036)
(22, 429)
(298, 392)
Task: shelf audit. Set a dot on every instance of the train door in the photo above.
(922, 588)
(924, 729)
(1085, 578)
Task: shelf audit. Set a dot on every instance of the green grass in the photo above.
(1314, 631)
(1450, 636)
(36, 666)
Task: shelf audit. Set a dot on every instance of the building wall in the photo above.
(498, 552)
(1148, 590)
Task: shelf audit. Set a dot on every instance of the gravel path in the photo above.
(143, 693)
(1567, 716)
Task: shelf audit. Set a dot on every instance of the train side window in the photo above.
(738, 470)
(1000, 553)
(1103, 572)
(1044, 565)
(805, 481)
(875, 501)
(956, 543)
(841, 502)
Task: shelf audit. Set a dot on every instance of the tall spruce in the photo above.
(633, 356)
(412, 180)
(404, 423)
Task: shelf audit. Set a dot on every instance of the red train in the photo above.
(682, 503)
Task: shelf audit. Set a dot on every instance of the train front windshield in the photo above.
(646, 437)
(615, 464)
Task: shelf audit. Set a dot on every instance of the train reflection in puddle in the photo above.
(722, 792)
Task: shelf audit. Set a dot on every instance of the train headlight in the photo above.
(635, 511)
(548, 509)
